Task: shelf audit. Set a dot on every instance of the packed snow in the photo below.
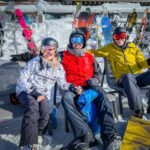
(60, 29)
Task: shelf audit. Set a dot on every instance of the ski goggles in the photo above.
(77, 39)
(48, 48)
(119, 36)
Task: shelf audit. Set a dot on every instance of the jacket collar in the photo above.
(77, 52)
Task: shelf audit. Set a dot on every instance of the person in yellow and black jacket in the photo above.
(127, 62)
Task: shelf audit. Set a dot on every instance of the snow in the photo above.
(60, 29)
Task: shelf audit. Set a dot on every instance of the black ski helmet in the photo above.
(118, 30)
(49, 42)
(79, 33)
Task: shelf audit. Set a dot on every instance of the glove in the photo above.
(72, 88)
(148, 61)
(91, 82)
(35, 94)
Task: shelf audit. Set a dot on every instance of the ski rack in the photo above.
(99, 2)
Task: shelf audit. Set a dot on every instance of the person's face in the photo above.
(120, 42)
(120, 39)
(77, 46)
(49, 52)
(77, 42)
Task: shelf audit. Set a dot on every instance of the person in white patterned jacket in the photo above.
(33, 91)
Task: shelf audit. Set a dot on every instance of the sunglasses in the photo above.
(119, 36)
(77, 39)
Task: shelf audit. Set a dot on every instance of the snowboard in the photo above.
(83, 19)
(26, 32)
(142, 27)
(88, 24)
(131, 21)
(94, 41)
(75, 21)
(83, 23)
(137, 135)
(106, 30)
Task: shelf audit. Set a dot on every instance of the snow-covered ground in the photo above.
(60, 29)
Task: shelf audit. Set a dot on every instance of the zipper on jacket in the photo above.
(115, 66)
(126, 61)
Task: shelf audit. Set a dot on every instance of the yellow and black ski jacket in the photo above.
(131, 60)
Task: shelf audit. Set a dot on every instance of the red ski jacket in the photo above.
(80, 69)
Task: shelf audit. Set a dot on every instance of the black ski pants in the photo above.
(131, 84)
(77, 121)
(35, 119)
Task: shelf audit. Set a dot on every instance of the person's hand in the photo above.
(90, 83)
(72, 88)
(40, 98)
(79, 90)
(75, 89)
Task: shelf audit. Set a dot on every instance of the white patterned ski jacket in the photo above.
(41, 77)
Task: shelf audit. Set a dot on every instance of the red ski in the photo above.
(143, 26)
(26, 32)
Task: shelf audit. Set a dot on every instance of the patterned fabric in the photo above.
(41, 77)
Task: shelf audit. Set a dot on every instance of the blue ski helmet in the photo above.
(79, 33)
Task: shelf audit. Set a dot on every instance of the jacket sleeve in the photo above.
(101, 52)
(22, 83)
(61, 79)
(97, 73)
(140, 59)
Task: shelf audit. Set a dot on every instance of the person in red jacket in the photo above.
(83, 71)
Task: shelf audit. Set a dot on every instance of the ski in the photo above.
(142, 27)
(75, 21)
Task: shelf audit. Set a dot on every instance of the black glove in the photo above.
(148, 61)
(72, 88)
(91, 82)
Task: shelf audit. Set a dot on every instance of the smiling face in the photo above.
(120, 42)
(77, 42)
(77, 46)
(49, 52)
(120, 38)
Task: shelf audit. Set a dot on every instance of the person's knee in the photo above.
(99, 89)
(33, 105)
(44, 107)
(128, 76)
(68, 98)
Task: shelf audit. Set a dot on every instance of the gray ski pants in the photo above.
(35, 119)
(131, 83)
(77, 121)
